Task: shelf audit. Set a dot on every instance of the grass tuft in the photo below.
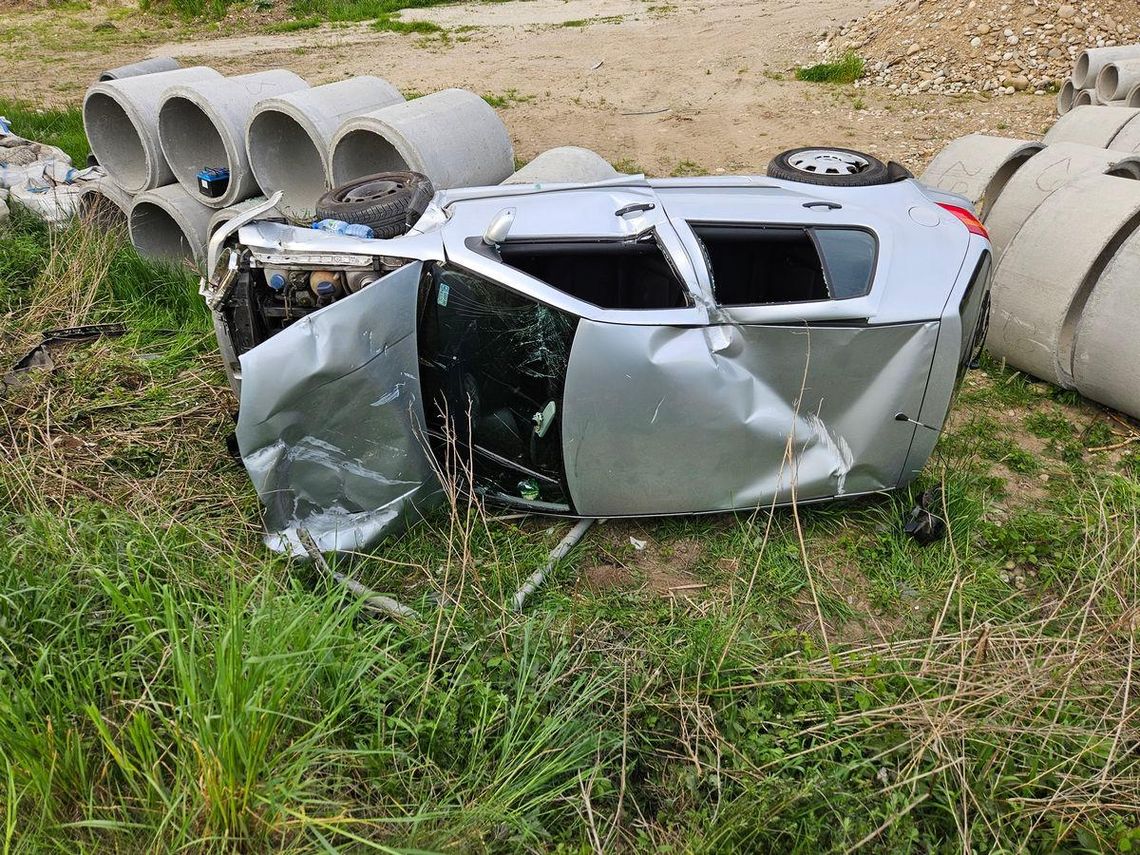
(846, 69)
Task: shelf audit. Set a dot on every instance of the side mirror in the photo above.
(499, 227)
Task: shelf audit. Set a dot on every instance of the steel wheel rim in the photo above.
(828, 161)
(373, 190)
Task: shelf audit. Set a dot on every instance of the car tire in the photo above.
(385, 202)
(830, 167)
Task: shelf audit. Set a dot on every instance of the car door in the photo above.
(331, 420)
(784, 401)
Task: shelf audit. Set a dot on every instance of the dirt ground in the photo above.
(668, 89)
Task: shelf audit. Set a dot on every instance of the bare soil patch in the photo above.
(687, 88)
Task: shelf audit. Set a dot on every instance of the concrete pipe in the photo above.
(1106, 349)
(1091, 61)
(1133, 97)
(223, 216)
(105, 204)
(1117, 79)
(169, 224)
(978, 167)
(567, 164)
(146, 66)
(1129, 137)
(289, 136)
(453, 137)
(1042, 174)
(1087, 98)
(121, 120)
(202, 124)
(1043, 280)
(1065, 97)
(1095, 126)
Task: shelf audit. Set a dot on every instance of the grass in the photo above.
(506, 99)
(394, 25)
(295, 25)
(687, 169)
(62, 128)
(846, 69)
(167, 684)
(308, 14)
(585, 22)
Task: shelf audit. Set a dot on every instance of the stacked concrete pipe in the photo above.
(289, 136)
(202, 124)
(146, 66)
(1128, 139)
(1065, 97)
(1043, 174)
(1095, 126)
(169, 224)
(566, 164)
(978, 167)
(121, 120)
(453, 137)
(1091, 61)
(1106, 348)
(1088, 98)
(1133, 97)
(105, 204)
(1117, 79)
(1045, 277)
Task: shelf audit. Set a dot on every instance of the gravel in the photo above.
(952, 47)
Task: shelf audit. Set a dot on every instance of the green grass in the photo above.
(506, 99)
(307, 13)
(358, 10)
(62, 128)
(847, 69)
(687, 169)
(295, 26)
(168, 684)
(394, 25)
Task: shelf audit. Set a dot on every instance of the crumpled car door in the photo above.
(662, 420)
(331, 421)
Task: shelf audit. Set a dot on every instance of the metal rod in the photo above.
(557, 554)
(372, 601)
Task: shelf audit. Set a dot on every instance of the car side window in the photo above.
(758, 265)
(610, 274)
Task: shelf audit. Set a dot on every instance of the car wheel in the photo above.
(834, 167)
(386, 201)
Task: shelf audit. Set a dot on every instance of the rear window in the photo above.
(758, 265)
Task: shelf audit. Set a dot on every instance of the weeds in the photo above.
(847, 69)
(506, 99)
(394, 25)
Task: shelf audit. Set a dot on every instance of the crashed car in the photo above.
(630, 347)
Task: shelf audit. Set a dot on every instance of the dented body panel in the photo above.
(600, 360)
(664, 420)
(332, 424)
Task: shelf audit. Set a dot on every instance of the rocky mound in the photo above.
(951, 46)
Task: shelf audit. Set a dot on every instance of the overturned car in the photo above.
(630, 347)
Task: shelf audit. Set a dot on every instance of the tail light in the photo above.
(973, 224)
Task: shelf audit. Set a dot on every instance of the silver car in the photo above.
(625, 348)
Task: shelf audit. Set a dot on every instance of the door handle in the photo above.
(636, 206)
